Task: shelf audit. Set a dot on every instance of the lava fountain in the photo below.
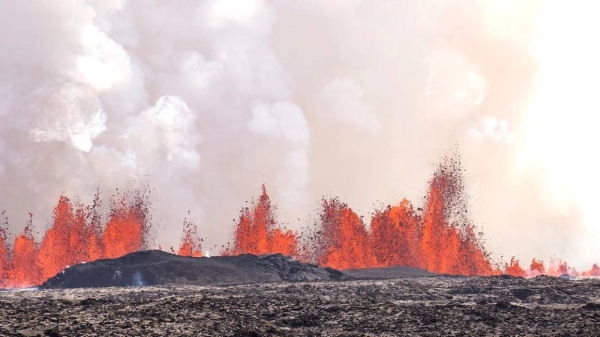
(75, 235)
(433, 239)
(438, 237)
(191, 243)
(257, 231)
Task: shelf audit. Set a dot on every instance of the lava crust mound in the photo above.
(155, 267)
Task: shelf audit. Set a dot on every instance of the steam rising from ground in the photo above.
(349, 98)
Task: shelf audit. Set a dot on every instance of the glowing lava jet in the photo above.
(75, 235)
(257, 231)
(399, 236)
(190, 242)
(438, 237)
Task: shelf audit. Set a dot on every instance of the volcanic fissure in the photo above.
(438, 237)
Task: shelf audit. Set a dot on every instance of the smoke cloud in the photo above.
(355, 99)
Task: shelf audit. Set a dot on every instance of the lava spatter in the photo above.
(74, 236)
(438, 237)
(257, 231)
(191, 243)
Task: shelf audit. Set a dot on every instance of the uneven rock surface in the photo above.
(155, 267)
(386, 273)
(426, 306)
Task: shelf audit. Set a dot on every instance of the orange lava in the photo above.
(343, 241)
(439, 237)
(537, 268)
(74, 236)
(595, 271)
(514, 268)
(557, 268)
(190, 242)
(124, 232)
(449, 244)
(257, 231)
(399, 236)
(397, 229)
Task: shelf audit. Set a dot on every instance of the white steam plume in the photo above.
(349, 98)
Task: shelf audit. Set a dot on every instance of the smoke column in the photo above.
(356, 99)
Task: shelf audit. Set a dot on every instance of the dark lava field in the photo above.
(417, 306)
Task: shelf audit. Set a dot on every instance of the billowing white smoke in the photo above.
(212, 98)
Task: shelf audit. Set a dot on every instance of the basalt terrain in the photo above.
(425, 306)
(155, 267)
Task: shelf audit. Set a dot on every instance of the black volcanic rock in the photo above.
(420, 306)
(387, 273)
(155, 267)
(522, 293)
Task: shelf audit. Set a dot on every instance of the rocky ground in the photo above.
(427, 306)
(157, 268)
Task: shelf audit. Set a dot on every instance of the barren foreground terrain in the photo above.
(428, 306)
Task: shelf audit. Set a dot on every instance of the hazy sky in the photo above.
(356, 99)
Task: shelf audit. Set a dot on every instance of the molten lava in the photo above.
(257, 231)
(397, 229)
(451, 248)
(537, 268)
(514, 268)
(439, 237)
(190, 242)
(74, 236)
(595, 271)
(343, 241)
(398, 236)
